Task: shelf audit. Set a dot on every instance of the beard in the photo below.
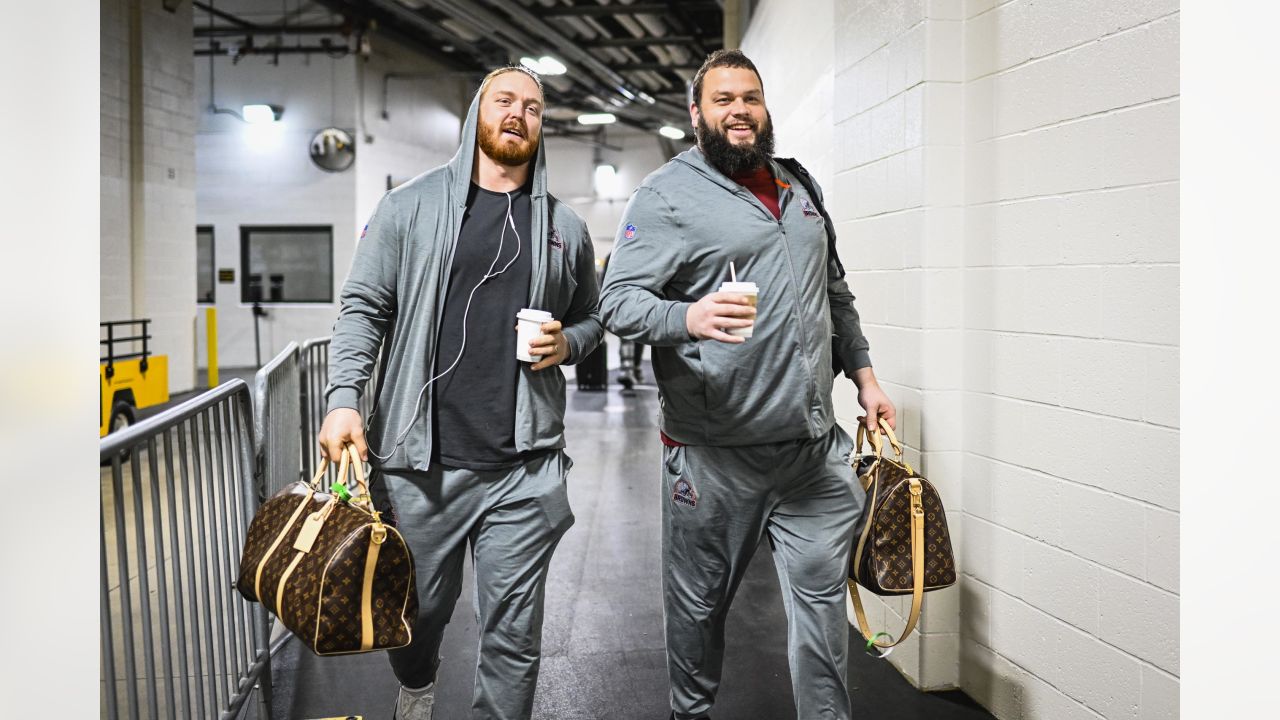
(504, 149)
(732, 159)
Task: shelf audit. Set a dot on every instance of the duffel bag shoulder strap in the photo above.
(917, 575)
(917, 537)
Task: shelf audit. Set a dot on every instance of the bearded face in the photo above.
(507, 141)
(736, 143)
(731, 122)
(510, 119)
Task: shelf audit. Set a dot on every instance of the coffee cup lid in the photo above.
(536, 315)
(740, 287)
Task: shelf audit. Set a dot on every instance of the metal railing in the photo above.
(314, 375)
(277, 422)
(177, 639)
(314, 356)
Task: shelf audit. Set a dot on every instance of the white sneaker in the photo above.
(415, 704)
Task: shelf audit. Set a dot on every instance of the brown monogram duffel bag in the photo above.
(904, 547)
(326, 565)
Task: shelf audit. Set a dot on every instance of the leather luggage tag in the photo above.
(310, 530)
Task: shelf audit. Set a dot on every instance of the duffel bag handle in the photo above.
(877, 443)
(348, 453)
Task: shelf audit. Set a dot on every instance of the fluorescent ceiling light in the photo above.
(597, 118)
(545, 65)
(671, 132)
(261, 113)
(552, 66)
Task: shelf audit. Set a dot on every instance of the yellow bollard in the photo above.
(211, 343)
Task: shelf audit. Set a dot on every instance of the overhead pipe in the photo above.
(274, 30)
(533, 43)
(571, 49)
(650, 8)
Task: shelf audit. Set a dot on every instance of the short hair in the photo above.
(484, 84)
(721, 58)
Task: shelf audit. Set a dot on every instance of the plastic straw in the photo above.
(733, 274)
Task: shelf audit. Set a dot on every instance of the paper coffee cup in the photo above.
(529, 327)
(741, 288)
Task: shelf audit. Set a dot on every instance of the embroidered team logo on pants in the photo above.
(684, 493)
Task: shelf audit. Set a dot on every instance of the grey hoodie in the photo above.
(679, 232)
(394, 295)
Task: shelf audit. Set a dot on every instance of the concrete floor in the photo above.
(602, 639)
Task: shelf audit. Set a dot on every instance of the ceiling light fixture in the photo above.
(254, 114)
(545, 65)
(674, 133)
(597, 118)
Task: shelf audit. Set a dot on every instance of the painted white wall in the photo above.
(424, 107)
(262, 175)
(571, 177)
(250, 175)
(148, 219)
(1004, 179)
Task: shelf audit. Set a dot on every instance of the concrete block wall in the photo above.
(1004, 178)
(1070, 481)
(147, 126)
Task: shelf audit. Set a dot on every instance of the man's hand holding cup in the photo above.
(714, 314)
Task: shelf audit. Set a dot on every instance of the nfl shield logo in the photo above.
(629, 232)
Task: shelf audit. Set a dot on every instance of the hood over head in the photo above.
(464, 160)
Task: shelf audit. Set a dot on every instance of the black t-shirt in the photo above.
(475, 404)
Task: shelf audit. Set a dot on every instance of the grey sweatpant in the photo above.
(512, 520)
(717, 503)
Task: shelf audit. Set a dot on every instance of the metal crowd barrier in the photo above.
(277, 422)
(314, 375)
(314, 356)
(177, 504)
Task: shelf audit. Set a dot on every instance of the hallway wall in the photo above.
(263, 175)
(1004, 178)
(148, 178)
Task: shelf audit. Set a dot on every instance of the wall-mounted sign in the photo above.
(226, 275)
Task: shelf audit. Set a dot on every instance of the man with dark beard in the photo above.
(468, 441)
(750, 442)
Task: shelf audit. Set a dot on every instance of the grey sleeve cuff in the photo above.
(847, 357)
(343, 397)
(575, 346)
(857, 360)
(677, 328)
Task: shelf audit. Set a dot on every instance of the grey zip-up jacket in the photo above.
(394, 295)
(678, 234)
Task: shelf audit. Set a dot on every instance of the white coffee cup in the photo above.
(741, 288)
(529, 327)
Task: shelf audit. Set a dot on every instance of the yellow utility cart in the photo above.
(129, 379)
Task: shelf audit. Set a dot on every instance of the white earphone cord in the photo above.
(490, 274)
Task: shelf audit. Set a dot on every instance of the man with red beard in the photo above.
(466, 440)
(751, 447)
